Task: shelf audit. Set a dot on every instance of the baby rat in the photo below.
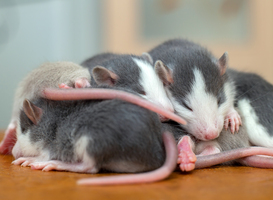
(254, 100)
(129, 71)
(199, 89)
(87, 136)
(31, 87)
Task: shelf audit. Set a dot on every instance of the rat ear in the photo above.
(223, 63)
(33, 112)
(104, 76)
(147, 57)
(164, 72)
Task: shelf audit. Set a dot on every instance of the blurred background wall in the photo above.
(37, 31)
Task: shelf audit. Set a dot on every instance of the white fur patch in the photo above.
(25, 148)
(81, 154)
(153, 86)
(258, 134)
(203, 118)
(228, 105)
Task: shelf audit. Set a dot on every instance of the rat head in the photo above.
(29, 118)
(136, 73)
(199, 90)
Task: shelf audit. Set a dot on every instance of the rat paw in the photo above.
(64, 86)
(24, 161)
(186, 157)
(45, 166)
(234, 120)
(82, 83)
(62, 166)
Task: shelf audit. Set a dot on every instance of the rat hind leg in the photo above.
(186, 157)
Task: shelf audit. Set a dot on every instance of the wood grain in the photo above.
(212, 183)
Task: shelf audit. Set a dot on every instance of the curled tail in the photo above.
(159, 174)
(246, 156)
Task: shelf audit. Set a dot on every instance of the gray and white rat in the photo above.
(87, 136)
(254, 102)
(198, 86)
(131, 72)
(199, 89)
(31, 87)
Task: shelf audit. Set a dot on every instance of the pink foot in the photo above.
(25, 161)
(82, 83)
(64, 86)
(234, 120)
(62, 166)
(9, 140)
(186, 157)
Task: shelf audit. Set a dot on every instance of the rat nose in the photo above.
(210, 137)
(211, 134)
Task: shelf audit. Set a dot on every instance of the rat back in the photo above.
(112, 135)
(128, 71)
(254, 99)
(47, 75)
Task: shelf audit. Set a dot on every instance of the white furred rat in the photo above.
(31, 87)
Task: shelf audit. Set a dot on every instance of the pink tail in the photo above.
(148, 177)
(215, 159)
(8, 141)
(91, 93)
(257, 161)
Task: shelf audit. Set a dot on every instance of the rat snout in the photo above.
(211, 133)
(211, 136)
(207, 133)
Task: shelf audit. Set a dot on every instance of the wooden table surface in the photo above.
(213, 183)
